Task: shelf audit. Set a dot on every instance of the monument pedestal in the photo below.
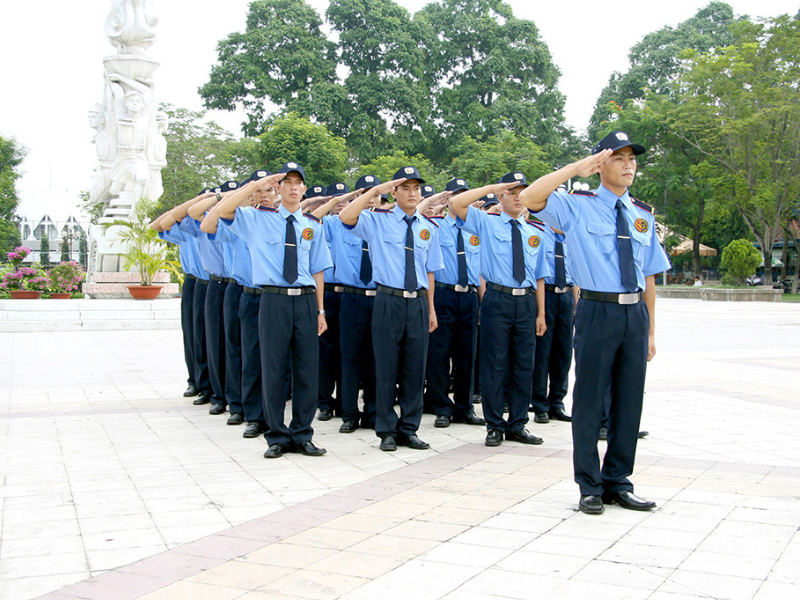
(115, 285)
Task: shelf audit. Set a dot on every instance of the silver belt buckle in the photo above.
(562, 290)
(293, 291)
(407, 294)
(629, 298)
(518, 291)
(461, 288)
(338, 288)
(370, 292)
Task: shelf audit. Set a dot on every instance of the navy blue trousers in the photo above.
(201, 377)
(215, 340)
(508, 342)
(287, 329)
(187, 327)
(400, 342)
(252, 402)
(610, 345)
(454, 339)
(233, 347)
(330, 357)
(358, 359)
(553, 353)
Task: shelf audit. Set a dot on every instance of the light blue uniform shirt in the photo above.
(189, 251)
(210, 253)
(330, 274)
(347, 252)
(448, 240)
(237, 254)
(590, 224)
(264, 231)
(549, 239)
(497, 259)
(385, 232)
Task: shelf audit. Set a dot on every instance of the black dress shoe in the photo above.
(494, 437)
(524, 436)
(202, 398)
(253, 430)
(541, 418)
(591, 505)
(469, 419)
(388, 444)
(325, 414)
(477, 398)
(216, 409)
(275, 451)
(415, 443)
(309, 449)
(629, 500)
(643, 434)
(190, 392)
(441, 421)
(348, 427)
(559, 415)
(603, 435)
(235, 419)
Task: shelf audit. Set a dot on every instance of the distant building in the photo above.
(32, 231)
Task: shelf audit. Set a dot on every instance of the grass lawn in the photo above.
(790, 298)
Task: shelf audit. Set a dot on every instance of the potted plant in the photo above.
(147, 252)
(65, 278)
(23, 283)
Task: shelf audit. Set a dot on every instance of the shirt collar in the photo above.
(284, 212)
(507, 218)
(400, 213)
(450, 220)
(610, 199)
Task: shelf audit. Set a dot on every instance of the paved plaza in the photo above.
(115, 487)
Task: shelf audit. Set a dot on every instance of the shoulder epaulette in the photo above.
(537, 224)
(435, 224)
(643, 206)
(533, 219)
(436, 217)
(266, 208)
(381, 210)
(495, 214)
(312, 217)
(582, 193)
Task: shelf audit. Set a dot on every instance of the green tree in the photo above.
(741, 108)
(83, 251)
(482, 163)
(11, 157)
(44, 251)
(656, 61)
(295, 138)
(385, 167)
(739, 260)
(277, 61)
(65, 249)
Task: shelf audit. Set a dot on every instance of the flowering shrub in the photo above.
(23, 278)
(66, 277)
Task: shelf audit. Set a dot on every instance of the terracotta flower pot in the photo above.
(144, 292)
(25, 295)
(60, 295)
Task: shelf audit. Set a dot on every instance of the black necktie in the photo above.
(561, 272)
(290, 252)
(462, 260)
(365, 275)
(627, 268)
(411, 273)
(516, 251)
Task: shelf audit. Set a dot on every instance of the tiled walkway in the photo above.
(114, 483)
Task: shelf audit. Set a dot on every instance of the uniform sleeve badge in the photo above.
(534, 241)
(641, 225)
(308, 234)
(475, 240)
(425, 234)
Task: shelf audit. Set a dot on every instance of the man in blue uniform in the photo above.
(289, 254)
(615, 254)
(512, 311)
(455, 338)
(554, 348)
(405, 252)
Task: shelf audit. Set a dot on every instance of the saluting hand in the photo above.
(591, 164)
(267, 182)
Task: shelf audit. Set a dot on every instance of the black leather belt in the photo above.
(420, 293)
(461, 289)
(632, 298)
(557, 290)
(359, 291)
(217, 279)
(334, 287)
(249, 290)
(188, 276)
(288, 291)
(527, 291)
(203, 281)
(230, 280)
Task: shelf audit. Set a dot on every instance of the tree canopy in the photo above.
(11, 157)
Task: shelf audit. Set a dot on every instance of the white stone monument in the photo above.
(129, 140)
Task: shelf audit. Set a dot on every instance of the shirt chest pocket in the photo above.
(272, 239)
(395, 243)
(604, 236)
(502, 236)
(353, 245)
(422, 240)
(641, 241)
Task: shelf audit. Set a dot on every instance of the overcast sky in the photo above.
(52, 65)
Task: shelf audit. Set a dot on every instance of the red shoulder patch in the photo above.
(643, 206)
(435, 224)
(537, 224)
(312, 217)
(266, 208)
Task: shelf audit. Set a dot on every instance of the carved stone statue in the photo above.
(131, 26)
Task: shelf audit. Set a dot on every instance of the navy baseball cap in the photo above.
(293, 167)
(428, 191)
(206, 191)
(616, 140)
(229, 186)
(315, 191)
(456, 185)
(260, 174)
(514, 177)
(366, 182)
(409, 173)
(489, 200)
(337, 189)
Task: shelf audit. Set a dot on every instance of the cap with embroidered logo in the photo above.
(315, 191)
(293, 167)
(366, 182)
(456, 185)
(489, 200)
(260, 174)
(428, 191)
(337, 189)
(616, 140)
(409, 173)
(229, 186)
(514, 177)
